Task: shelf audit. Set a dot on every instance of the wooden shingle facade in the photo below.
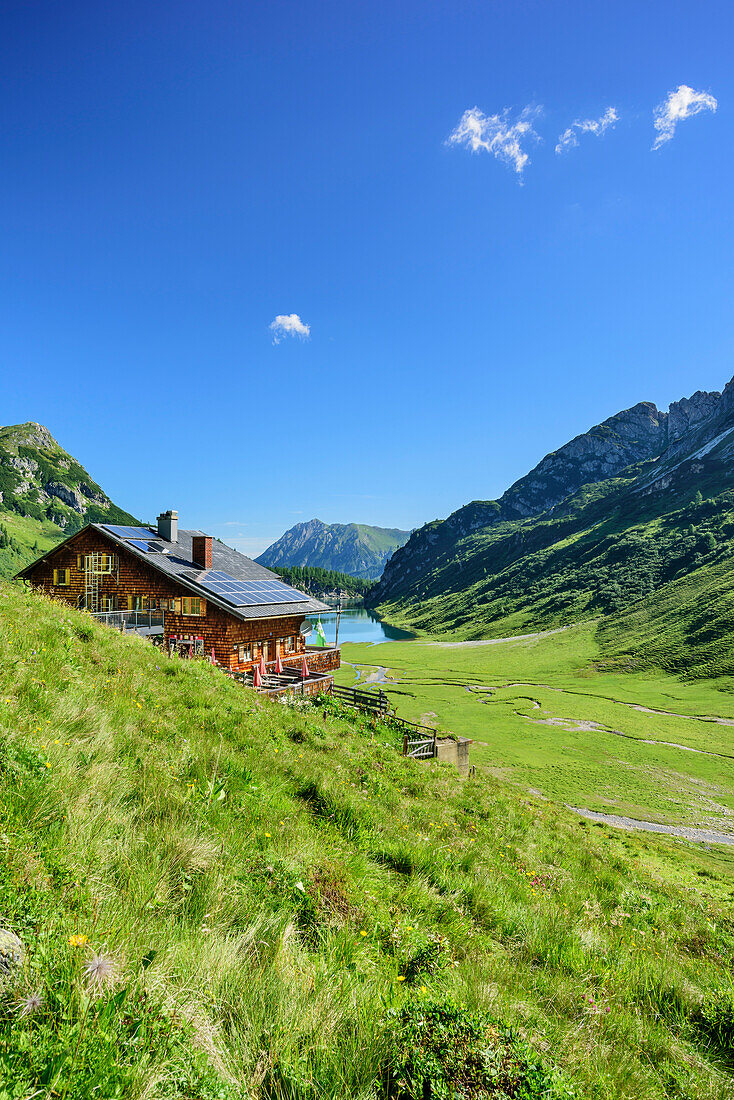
(206, 596)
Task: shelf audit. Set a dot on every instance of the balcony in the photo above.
(147, 623)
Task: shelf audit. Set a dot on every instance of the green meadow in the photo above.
(225, 898)
(546, 713)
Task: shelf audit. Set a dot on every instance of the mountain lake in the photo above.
(358, 624)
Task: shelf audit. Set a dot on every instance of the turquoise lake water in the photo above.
(357, 624)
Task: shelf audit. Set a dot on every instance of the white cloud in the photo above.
(497, 135)
(569, 138)
(289, 324)
(680, 104)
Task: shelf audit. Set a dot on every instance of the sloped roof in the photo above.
(177, 564)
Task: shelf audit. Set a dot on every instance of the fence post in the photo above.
(435, 750)
(405, 744)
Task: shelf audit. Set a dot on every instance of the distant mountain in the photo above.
(353, 548)
(45, 495)
(619, 514)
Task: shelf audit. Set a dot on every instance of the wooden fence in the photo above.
(374, 701)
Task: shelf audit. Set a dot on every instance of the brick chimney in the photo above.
(168, 526)
(201, 550)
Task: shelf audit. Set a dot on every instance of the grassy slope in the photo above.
(686, 627)
(548, 712)
(601, 551)
(264, 877)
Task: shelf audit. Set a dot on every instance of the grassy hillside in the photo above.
(45, 495)
(598, 553)
(686, 627)
(222, 897)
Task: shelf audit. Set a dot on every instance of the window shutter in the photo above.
(67, 578)
(129, 603)
(177, 605)
(56, 576)
(80, 562)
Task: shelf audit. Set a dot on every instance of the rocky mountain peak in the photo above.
(29, 434)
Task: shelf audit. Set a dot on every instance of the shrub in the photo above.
(716, 1019)
(441, 1050)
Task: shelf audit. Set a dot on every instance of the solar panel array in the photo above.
(232, 591)
(249, 593)
(147, 547)
(130, 533)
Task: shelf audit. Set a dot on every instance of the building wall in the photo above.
(220, 631)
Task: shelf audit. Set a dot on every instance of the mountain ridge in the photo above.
(358, 549)
(635, 472)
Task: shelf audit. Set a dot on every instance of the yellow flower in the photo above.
(401, 977)
(267, 834)
(363, 933)
(78, 940)
(47, 764)
(423, 989)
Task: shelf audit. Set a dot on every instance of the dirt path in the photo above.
(700, 836)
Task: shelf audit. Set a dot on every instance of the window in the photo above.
(104, 564)
(244, 653)
(137, 603)
(62, 577)
(191, 605)
(290, 644)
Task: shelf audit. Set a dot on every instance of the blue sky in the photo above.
(174, 176)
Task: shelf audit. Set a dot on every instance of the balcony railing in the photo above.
(138, 622)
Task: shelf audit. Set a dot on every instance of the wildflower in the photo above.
(363, 933)
(267, 834)
(401, 977)
(99, 972)
(78, 940)
(30, 1004)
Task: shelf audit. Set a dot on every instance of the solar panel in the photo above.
(147, 547)
(130, 533)
(249, 593)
